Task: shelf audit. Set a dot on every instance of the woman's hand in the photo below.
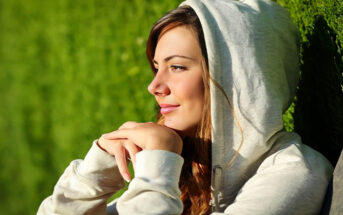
(133, 137)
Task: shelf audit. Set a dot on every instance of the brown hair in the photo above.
(195, 180)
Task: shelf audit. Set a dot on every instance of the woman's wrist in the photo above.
(159, 165)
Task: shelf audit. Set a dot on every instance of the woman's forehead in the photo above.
(181, 41)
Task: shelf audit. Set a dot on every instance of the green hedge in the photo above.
(69, 71)
(318, 108)
(72, 70)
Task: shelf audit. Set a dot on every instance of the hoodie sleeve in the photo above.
(85, 185)
(155, 188)
(284, 184)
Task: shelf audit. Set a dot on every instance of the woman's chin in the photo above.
(181, 130)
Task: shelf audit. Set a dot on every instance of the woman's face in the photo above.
(178, 85)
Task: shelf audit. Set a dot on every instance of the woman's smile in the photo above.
(167, 108)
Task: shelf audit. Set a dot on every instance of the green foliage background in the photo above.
(72, 70)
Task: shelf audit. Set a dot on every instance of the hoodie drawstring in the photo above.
(215, 185)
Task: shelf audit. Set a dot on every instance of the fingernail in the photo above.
(126, 177)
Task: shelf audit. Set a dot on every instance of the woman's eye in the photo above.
(177, 68)
(155, 69)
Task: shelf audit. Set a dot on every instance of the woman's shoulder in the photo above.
(292, 179)
(293, 155)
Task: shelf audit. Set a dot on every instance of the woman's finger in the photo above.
(117, 134)
(120, 157)
(126, 133)
(129, 124)
(132, 149)
(149, 136)
(126, 125)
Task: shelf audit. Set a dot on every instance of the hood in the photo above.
(252, 48)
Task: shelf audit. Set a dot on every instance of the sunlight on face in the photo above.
(177, 85)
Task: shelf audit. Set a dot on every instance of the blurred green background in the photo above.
(72, 70)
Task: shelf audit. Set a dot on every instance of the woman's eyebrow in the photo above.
(173, 56)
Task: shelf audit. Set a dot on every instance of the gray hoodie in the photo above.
(252, 48)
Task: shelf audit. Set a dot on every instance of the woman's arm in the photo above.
(155, 188)
(158, 164)
(85, 185)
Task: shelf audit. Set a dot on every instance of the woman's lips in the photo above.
(167, 108)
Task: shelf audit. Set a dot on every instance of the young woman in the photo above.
(224, 73)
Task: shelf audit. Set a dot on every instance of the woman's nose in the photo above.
(158, 87)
